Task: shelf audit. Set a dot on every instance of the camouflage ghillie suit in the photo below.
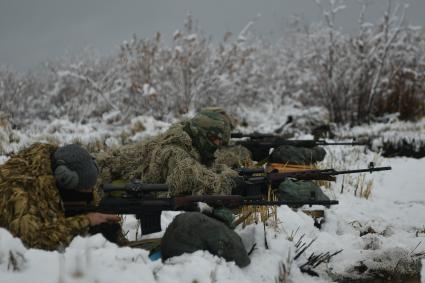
(30, 205)
(169, 158)
(234, 156)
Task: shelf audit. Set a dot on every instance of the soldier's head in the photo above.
(74, 168)
(231, 121)
(209, 131)
(226, 118)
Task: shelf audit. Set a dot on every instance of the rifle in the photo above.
(256, 183)
(137, 199)
(260, 144)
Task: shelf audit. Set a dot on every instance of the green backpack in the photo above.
(297, 155)
(300, 191)
(193, 231)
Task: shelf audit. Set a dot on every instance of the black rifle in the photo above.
(255, 183)
(260, 144)
(138, 200)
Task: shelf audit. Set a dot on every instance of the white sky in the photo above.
(34, 30)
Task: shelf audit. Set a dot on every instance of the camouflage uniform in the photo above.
(170, 158)
(235, 156)
(30, 205)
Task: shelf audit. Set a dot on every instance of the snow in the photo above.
(383, 233)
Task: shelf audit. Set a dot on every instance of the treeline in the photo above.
(356, 77)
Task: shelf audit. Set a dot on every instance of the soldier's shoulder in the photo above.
(176, 135)
(33, 160)
(37, 149)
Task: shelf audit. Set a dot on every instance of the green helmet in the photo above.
(208, 131)
(226, 118)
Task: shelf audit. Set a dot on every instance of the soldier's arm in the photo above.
(234, 156)
(186, 175)
(35, 232)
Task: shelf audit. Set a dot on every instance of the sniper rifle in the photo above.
(260, 144)
(137, 198)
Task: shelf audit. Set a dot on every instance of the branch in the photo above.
(382, 62)
(89, 81)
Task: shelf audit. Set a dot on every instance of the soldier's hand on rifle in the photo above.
(97, 218)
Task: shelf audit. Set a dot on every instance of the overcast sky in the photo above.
(35, 30)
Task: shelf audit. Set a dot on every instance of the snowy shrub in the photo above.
(356, 77)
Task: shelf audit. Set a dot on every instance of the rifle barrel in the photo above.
(251, 136)
(256, 201)
(372, 169)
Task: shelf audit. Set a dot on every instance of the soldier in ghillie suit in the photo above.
(33, 184)
(285, 157)
(233, 156)
(181, 157)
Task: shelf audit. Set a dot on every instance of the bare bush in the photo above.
(379, 70)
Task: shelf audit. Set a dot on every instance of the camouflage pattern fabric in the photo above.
(300, 191)
(297, 155)
(30, 205)
(234, 156)
(193, 231)
(167, 158)
(230, 121)
(204, 128)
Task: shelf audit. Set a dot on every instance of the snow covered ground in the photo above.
(379, 225)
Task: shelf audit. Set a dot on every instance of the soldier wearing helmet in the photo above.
(180, 157)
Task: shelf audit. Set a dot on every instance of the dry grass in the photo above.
(260, 214)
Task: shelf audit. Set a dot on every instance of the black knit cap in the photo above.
(79, 162)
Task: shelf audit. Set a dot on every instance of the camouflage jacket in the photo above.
(30, 205)
(167, 158)
(234, 156)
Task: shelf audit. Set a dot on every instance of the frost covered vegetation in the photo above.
(378, 225)
(391, 137)
(316, 74)
(356, 77)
